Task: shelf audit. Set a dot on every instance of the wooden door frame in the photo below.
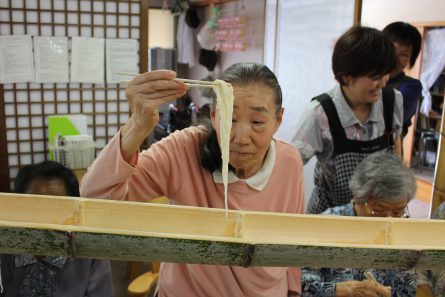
(438, 186)
(4, 160)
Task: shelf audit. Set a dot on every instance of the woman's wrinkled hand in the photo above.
(147, 92)
(366, 288)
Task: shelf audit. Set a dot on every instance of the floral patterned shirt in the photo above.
(321, 282)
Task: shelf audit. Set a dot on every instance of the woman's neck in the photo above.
(248, 172)
(360, 109)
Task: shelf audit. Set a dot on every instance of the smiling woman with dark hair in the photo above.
(357, 117)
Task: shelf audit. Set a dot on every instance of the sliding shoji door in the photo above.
(24, 107)
(299, 39)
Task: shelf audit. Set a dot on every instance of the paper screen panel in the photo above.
(25, 106)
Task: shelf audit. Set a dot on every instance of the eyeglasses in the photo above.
(398, 213)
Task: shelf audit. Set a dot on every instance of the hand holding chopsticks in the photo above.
(386, 290)
(196, 83)
(146, 93)
(187, 82)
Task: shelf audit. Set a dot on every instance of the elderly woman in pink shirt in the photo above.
(265, 173)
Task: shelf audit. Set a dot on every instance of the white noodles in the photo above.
(224, 107)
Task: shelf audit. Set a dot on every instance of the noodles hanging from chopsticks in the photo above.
(224, 107)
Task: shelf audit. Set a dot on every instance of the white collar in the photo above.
(257, 181)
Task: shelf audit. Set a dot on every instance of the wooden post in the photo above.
(143, 42)
(4, 162)
(357, 12)
(439, 176)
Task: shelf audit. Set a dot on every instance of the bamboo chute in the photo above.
(92, 228)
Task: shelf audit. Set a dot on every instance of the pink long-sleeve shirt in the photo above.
(172, 168)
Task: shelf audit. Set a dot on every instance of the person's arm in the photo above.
(294, 281)
(424, 278)
(398, 123)
(313, 285)
(145, 94)
(424, 291)
(308, 134)
(366, 288)
(412, 93)
(117, 173)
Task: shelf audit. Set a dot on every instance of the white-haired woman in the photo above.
(382, 187)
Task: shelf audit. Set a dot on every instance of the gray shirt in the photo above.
(313, 136)
(77, 278)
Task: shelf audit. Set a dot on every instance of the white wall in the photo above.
(254, 11)
(379, 13)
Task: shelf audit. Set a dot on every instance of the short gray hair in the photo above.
(382, 175)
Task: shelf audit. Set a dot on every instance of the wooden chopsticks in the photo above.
(371, 277)
(187, 82)
(196, 83)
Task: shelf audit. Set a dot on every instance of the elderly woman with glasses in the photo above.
(382, 187)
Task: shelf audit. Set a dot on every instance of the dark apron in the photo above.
(347, 155)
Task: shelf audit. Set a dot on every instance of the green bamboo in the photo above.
(90, 228)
